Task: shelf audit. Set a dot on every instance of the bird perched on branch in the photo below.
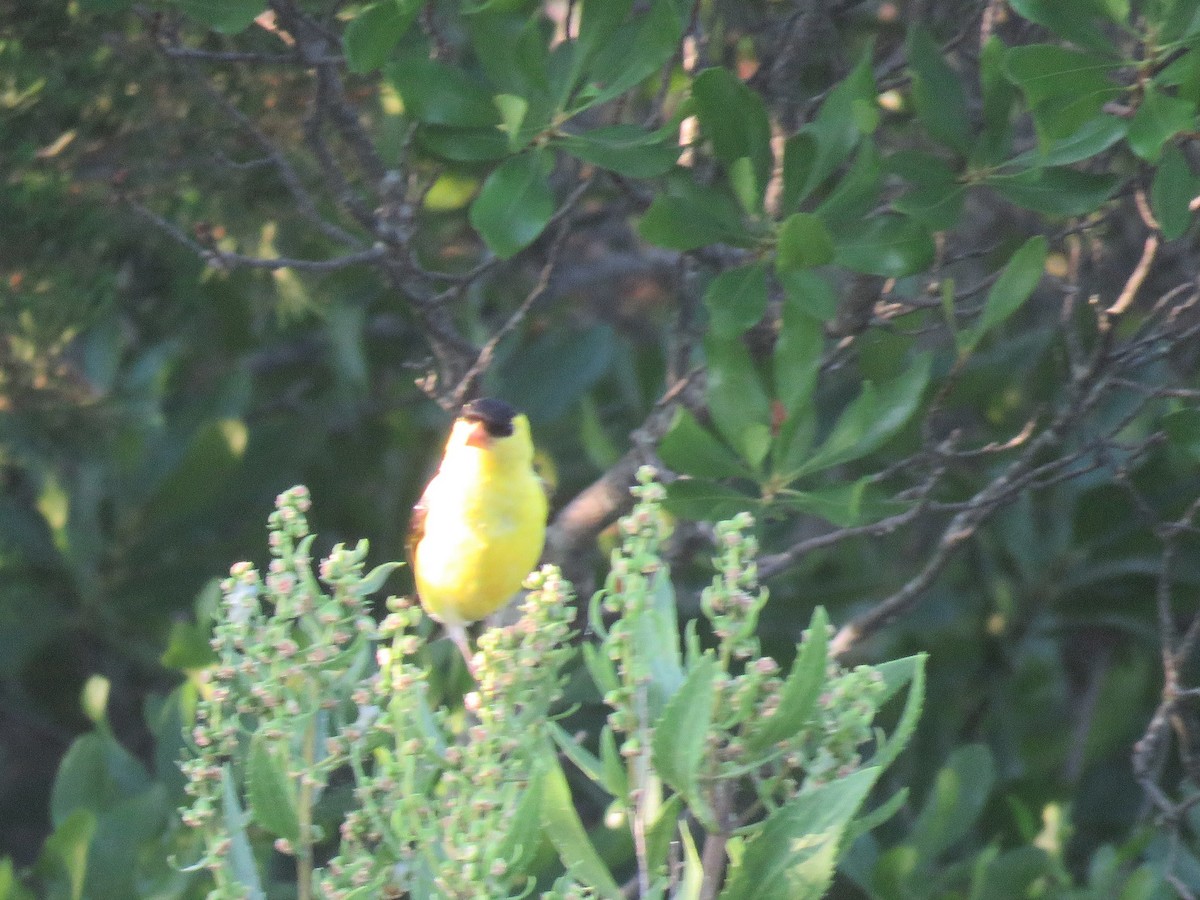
(479, 527)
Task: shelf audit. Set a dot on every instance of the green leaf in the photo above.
(1014, 286)
(270, 789)
(371, 35)
(580, 357)
(1183, 431)
(562, 826)
(809, 293)
(1171, 193)
(873, 418)
(661, 832)
(1096, 136)
(512, 109)
(937, 92)
(999, 95)
(936, 197)
(690, 449)
(794, 854)
(188, 647)
(803, 243)
(681, 733)
(734, 118)
(797, 357)
(844, 505)
(373, 580)
(522, 833)
(515, 203)
(889, 245)
(799, 159)
(736, 299)
(800, 690)
(705, 501)
(624, 149)
(856, 194)
(67, 849)
(614, 777)
(239, 861)
(737, 400)
(464, 144)
(225, 16)
(440, 94)
(96, 773)
(909, 670)
(637, 49)
(955, 801)
(1056, 192)
(1073, 21)
(1158, 119)
(688, 215)
(598, 22)
(1064, 88)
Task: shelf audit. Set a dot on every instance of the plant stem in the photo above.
(304, 850)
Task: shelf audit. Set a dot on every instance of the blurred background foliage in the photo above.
(917, 290)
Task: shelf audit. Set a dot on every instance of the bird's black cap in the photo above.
(496, 415)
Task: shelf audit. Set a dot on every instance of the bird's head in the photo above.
(494, 427)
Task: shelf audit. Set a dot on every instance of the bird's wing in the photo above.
(416, 523)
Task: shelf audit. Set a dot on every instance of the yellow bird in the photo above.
(480, 525)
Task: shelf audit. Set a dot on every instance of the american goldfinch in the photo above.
(479, 527)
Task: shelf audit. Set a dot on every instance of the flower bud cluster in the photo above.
(733, 601)
(287, 674)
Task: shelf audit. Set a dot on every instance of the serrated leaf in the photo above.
(372, 34)
(270, 790)
(373, 580)
(660, 833)
(681, 732)
(1014, 286)
(1171, 193)
(736, 299)
(562, 826)
(803, 243)
(515, 203)
(800, 690)
(794, 854)
(690, 449)
(909, 670)
(938, 93)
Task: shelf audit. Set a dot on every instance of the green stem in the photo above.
(304, 852)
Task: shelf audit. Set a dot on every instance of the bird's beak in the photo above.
(478, 436)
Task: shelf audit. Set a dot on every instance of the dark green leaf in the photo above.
(856, 193)
(226, 16)
(810, 293)
(938, 93)
(1171, 193)
(689, 215)
(873, 418)
(734, 118)
(800, 690)
(706, 501)
(270, 789)
(439, 94)
(1096, 136)
(799, 158)
(464, 144)
(999, 95)
(681, 732)
(955, 802)
(804, 243)
(737, 299)
(371, 35)
(515, 203)
(96, 773)
(737, 400)
(1014, 286)
(579, 357)
(625, 149)
(1064, 88)
(847, 114)
(797, 357)
(638, 49)
(690, 449)
(794, 855)
(1073, 21)
(1158, 119)
(936, 197)
(888, 245)
(1056, 192)
(562, 826)
(1183, 431)
(845, 505)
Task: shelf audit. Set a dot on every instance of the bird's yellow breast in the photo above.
(483, 533)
